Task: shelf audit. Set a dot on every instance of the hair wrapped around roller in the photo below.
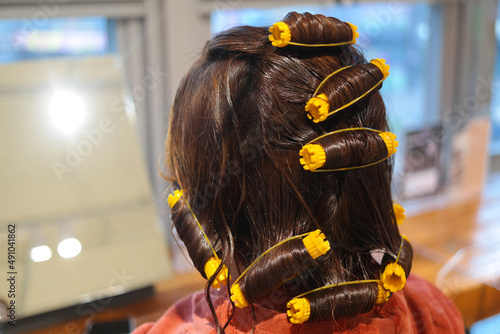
(330, 96)
(199, 244)
(312, 31)
(348, 149)
(343, 298)
(285, 261)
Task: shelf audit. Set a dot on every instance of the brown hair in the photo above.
(317, 29)
(237, 126)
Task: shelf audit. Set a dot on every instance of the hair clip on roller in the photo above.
(355, 33)
(313, 157)
(316, 244)
(399, 212)
(393, 278)
(383, 295)
(280, 34)
(299, 310)
(390, 141)
(317, 108)
(237, 296)
(383, 67)
(174, 198)
(211, 267)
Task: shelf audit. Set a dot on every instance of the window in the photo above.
(58, 37)
(495, 98)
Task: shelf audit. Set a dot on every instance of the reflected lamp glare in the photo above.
(69, 248)
(67, 110)
(40, 253)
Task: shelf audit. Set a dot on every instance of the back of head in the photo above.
(237, 126)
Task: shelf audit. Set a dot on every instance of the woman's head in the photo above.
(237, 125)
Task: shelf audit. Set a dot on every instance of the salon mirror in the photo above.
(74, 183)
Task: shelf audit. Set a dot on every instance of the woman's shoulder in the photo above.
(425, 309)
(419, 308)
(190, 314)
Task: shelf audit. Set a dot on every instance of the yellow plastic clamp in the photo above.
(316, 244)
(384, 68)
(399, 212)
(299, 310)
(390, 142)
(393, 278)
(174, 198)
(210, 268)
(237, 296)
(280, 34)
(355, 33)
(313, 157)
(317, 108)
(383, 295)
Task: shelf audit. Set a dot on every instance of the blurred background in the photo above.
(85, 92)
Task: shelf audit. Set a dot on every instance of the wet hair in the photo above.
(236, 128)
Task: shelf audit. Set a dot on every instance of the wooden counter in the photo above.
(465, 238)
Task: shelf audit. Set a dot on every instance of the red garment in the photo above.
(419, 308)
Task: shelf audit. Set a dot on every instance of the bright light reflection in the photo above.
(69, 248)
(41, 253)
(67, 111)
